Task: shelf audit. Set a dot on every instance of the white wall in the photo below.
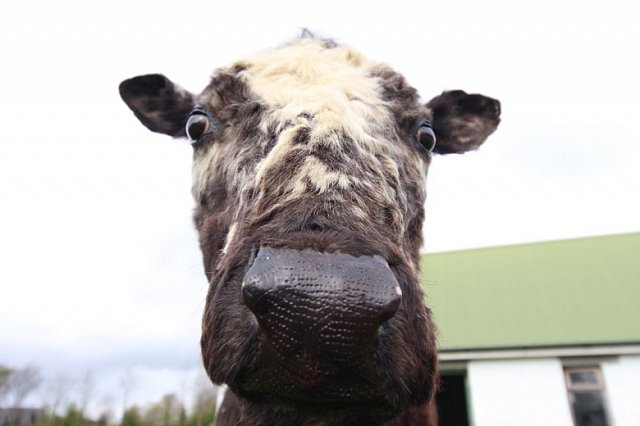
(518, 392)
(622, 383)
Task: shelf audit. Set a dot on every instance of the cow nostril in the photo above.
(253, 296)
(389, 308)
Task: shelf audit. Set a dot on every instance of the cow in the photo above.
(309, 167)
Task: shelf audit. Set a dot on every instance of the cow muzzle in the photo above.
(320, 317)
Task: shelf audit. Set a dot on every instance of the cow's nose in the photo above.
(319, 316)
(329, 293)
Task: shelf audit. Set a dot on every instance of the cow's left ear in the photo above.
(161, 105)
(462, 122)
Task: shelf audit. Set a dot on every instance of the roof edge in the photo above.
(424, 254)
(589, 350)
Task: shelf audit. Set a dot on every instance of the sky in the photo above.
(99, 265)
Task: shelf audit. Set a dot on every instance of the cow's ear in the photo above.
(159, 104)
(462, 122)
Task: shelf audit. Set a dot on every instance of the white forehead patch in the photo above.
(335, 86)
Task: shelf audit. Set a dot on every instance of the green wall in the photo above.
(581, 291)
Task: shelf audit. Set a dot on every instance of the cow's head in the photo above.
(308, 173)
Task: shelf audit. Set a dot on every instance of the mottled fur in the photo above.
(313, 147)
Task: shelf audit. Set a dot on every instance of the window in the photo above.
(585, 387)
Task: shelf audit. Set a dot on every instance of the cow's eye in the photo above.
(197, 125)
(426, 136)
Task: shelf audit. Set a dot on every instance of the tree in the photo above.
(87, 387)
(104, 419)
(131, 417)
(167, 412)
(21, 382)
(56, 393)
(106, 406)
(72, 417)
(204, 403)
(127, 383)
(5, 372)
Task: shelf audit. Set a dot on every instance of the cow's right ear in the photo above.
(159, 104)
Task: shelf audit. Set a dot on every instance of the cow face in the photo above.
(308, 174)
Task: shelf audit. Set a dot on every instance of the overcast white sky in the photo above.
(99, 266)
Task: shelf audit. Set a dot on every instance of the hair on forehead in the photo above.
(337, 86)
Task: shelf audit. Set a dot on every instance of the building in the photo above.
(20, 416)
(539, 334)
